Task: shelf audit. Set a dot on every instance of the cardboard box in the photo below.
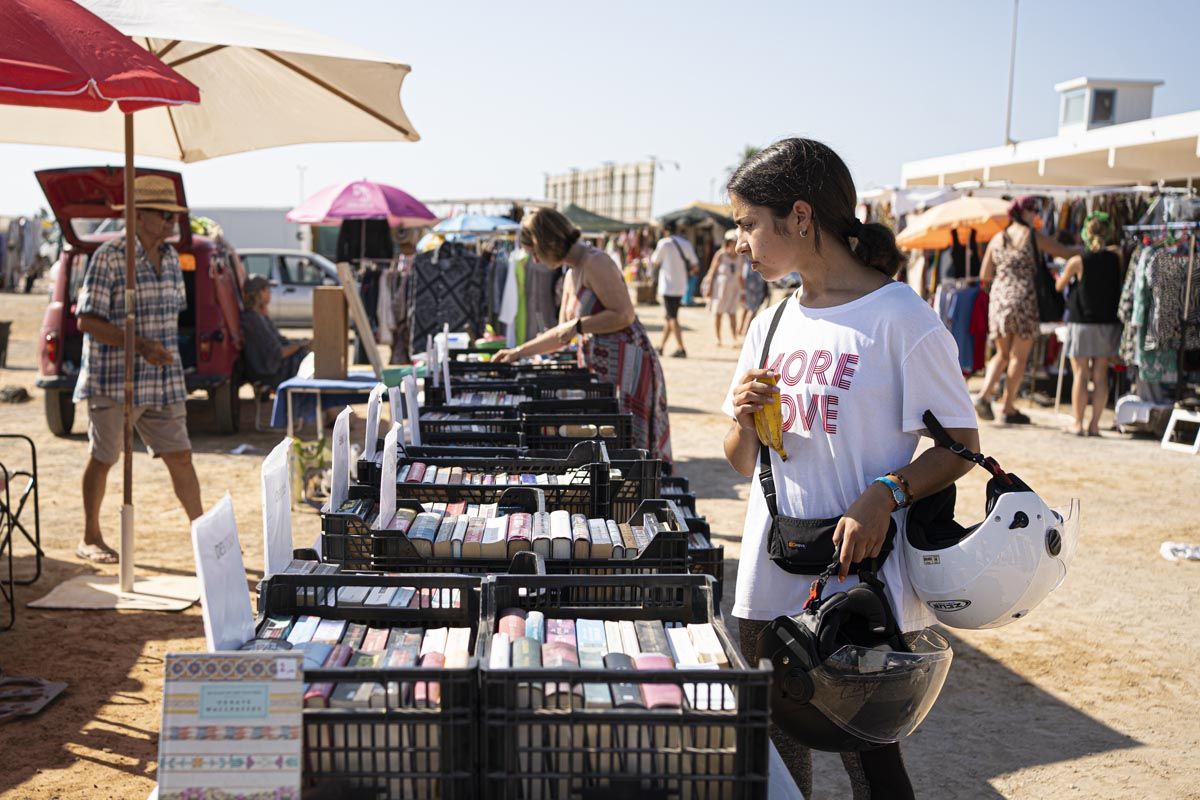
(331, 339)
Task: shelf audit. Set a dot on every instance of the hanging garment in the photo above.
(398, 278)
(1154, 365)
(446, 288)
(960, 310)
(541, 299)
(520, 326)
(354, 243)
(1128, 351)
(627, 359)
(959, 266)
(383, 308)
(510, 302)
(1168, 327)
(979, 331)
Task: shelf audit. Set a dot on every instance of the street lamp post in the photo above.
(1012, 64)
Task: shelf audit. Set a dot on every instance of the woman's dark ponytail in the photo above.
(805, 169)
(876, 247)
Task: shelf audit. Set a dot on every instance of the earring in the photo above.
(804, 233)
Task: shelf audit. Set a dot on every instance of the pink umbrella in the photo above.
(362, 200)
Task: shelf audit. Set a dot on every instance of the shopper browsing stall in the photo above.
(858, 359)
(1009, 270)
(596, 307)
(723, 287)
(1093, 330)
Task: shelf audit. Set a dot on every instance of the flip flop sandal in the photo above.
(98, 554)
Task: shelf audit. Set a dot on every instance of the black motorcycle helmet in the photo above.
(846, 679)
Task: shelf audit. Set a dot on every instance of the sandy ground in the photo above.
(1095, 695)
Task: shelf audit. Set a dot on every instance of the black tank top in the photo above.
(1095, 295)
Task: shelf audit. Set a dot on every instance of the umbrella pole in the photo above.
(130, 312)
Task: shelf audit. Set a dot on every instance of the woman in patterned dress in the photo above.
(596, 307)
(1010, 269)
(723, 287)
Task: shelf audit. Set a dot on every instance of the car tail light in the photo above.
(52, 349)
(205, 348)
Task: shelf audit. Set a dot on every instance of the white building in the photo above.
(1106, 137)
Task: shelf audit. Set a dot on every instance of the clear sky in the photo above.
(502, 93)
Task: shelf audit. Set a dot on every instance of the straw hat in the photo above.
(731, 235)
(154, 192)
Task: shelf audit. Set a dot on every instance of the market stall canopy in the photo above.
(57, 54)
(987, 216)
(266, 83)
(476, 223)
(589, 222)
(700, 212)
(362, 200)
(1140, 152)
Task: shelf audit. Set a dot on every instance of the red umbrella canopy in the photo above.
(57, 54)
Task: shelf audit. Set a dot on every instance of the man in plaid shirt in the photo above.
(159, 414)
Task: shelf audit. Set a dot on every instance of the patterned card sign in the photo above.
(231, 726)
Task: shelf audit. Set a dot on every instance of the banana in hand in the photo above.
(768, 422)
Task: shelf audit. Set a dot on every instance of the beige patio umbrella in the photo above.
(265, 84)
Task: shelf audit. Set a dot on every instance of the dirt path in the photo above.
(1095, 695)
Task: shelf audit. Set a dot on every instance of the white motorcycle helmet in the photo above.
(993, 573)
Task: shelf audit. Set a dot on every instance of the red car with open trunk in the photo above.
(210, 334)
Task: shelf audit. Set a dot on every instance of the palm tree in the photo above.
(748, 152)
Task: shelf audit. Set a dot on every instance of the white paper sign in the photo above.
(277, 509)
(372, 438)
(224, 595)
(340, 480)
(396, 403)
(444, 358)
(387, 484)
(413, 409)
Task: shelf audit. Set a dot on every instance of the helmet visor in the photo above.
(1068, 528)
(880, 694)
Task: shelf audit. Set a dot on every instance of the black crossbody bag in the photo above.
(800, 546)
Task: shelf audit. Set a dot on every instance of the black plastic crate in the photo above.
(347, 541)
(395, 750)
(536, 386)
(640, 480)
(709, 561)
(552, 431)
(511, 371)
(542, 752)
(468, 420)
(510, 459)
(592, 498)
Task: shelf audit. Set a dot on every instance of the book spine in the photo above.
(317, 694)
(535, 626)
(652, 638)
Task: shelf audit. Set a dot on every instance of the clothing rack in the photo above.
(1188, 226)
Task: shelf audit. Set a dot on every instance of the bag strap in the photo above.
(942, 438)
(679, 250)
(765, 478)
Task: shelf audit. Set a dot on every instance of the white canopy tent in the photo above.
(293, 86)
(1146, 151)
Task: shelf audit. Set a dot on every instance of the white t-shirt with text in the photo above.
(855, 380)
(673, 255)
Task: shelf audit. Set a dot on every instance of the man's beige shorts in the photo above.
(162, 428)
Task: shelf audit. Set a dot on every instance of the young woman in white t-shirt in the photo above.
(858, 359)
